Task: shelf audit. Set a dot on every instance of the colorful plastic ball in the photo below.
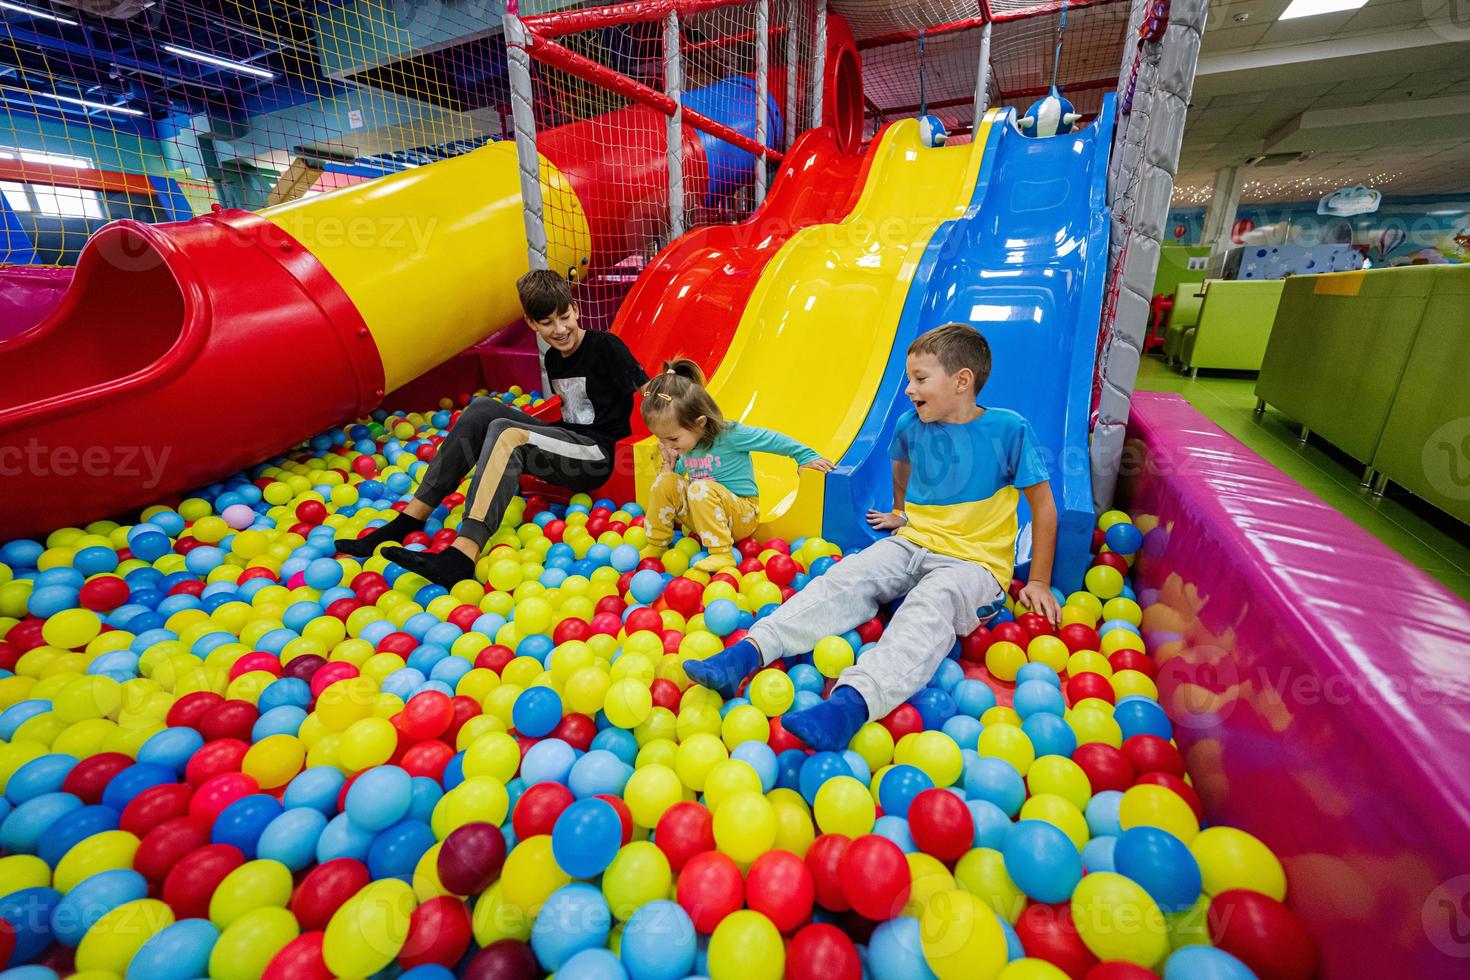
(1042, 861)
(177, 952)
(779, 886)
(366, 933)
(116, 937)
(1118, 920)
(397, 850)
(537, 809)
(537, 711)
(721, 617)
(504, 959)
(1147, 805)
(1263, 934)
(746, 946)
(93, 898)
(471, 858)
(650, 791)
(439, 932)
(1205, 963)
(1124, 538)
(586, 837)
(26, 913)
(895, 950)
(709, 889)
(875, 877)
(899, 786)
(1107, 768)
(574, 918)
(843, 806)
(325, 889)
(941, 824)
(833, 655)
(639, 874)
(593, 964)
(961, 937)
(548, 761)
(379, 797)
(292, 837)
(1231, 859)
(1004, 659)
(745, 826)
(1009, 744)
(1162, 864)
(1104, 581)
(658, 942)
(1034, 697)
(93, 855)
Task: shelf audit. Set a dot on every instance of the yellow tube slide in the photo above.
(430, 255)
(814, 341)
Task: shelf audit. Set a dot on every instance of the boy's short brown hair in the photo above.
(543, 294)
(956, 346)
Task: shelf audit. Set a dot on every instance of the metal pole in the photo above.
(519, 64)
(791, 55)
(819, 63)
(982, 77)
(674, 127)
(762, 97)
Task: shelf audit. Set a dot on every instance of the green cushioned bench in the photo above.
(1187, 299)
(1234, 325)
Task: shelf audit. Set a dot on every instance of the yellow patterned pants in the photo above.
(703, 507)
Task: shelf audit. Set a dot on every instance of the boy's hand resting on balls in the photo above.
(886, 520)
(819, 464)
(1038, 598)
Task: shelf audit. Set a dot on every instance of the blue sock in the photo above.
(725, 670)
(829, 726)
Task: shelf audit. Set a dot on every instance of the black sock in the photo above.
(397, 529)
(446, 568)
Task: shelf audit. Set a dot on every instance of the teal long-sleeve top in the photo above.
(727, 460)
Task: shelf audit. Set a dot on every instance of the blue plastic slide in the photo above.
(1026, 266)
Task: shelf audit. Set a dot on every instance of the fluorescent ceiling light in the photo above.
(101, 106)
(218, 62)
(1311, 8)
(21, 8)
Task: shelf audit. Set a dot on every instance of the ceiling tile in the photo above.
(1306, 28)
(1379, 16)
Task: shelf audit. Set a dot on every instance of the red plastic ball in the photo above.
(427, 759)
(1263, 934)
(304, 667)
(607, 622)
(822, 951)
(644, 619)
(190, 709)
(685, 596)
(232, 719)
(1113, 560)
(782, 569)
(214, 759)
(824, 858)
(400, 643)
(1118, 970)
(438, 933)
(875, 877)
(1078, 637)
(570, 629)
(665, 693)
(1127, 659)
(1105, 766)
(710, 888)
(90, 777)
(300, 959)
(426, 715)
(259, 660)
(1047, 932)
(494, 658)
(1009, 632)
(577, 730)
(7, 940)
(941, 824)
(974, 645)
(780, 739)
(505, 959)
(191, 884)
(328, 674)
(748, 547)
(166, 845)
(471, 857)
(104, 594)
(219, 792)
(779, 886)
(685, 829)
(537, 809)
(1184, 791)
(1090, 685)
(903, 720)
(870, 631)
(1035, 625)
(325, 889)
(311, 512)
(153, 806)
(1149, 753)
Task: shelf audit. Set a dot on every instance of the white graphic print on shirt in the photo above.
(576, 407)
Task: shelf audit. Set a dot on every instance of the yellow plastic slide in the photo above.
(815, 338)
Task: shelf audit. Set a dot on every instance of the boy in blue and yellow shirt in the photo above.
(958, 474)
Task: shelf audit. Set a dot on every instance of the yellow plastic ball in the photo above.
(1029, 968)
(628, 703)
(1060, 776)
(1104, 581)
(20, 871)
(274, 761)
(71, 628)
(746, 723)
(794, 829)
(639, 874)
(1092, 724)
(1146, 805)
(1121, 640)
(982, 873)
(1004, 659)
(366, 933)
(1118, 921)
(772, 692)
(833, 655)
(650, 791)
(531, 874)
(345, 702)
(1124, 608)
(939, 757)
(1089, 662)
(961, 938)
(1049, 650)
(253, 885)
(1008, 743)
(114, 938)
(745, 826)
(928, 877)
(478, 798)
(1108, 518)
(103, 851)
(1230, 858)
(746, 946)
(1061, 814)
(844, 806)
(875, 744)
(696, 756)
(1129, 682)
(367, 743)
(727, 779)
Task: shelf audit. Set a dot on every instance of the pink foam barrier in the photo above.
(27, 294)
(1320, 688)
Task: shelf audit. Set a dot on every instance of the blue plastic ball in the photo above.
(721, 617)
(549, 760)
(762, 758)
(586, 837)
(1036, 697)
(396, 850)
(573, 919)
(597, 772)
(93, 898)
(1138, 715)
(992, 826)
(243, 821)
(1102, 814)
(1162, 864)
(973, 698)
(1097, 854)
(895, 951)
(1042, 861)
(995, 780)
(659, 942)
(897, 830)
(1205, 963)
(379, 798)
(291, 838)
(1050, 735)
(537, 711)
(177, 952)
(647, 585)
(817, 769)
(1124, 538)
(899, 787)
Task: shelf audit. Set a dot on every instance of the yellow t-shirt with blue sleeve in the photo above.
(727, 459)
(963, 484)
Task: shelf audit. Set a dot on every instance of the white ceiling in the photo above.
(1379, 95)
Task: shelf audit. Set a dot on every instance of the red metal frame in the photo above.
(25, 172)
(545, 50)
(638, 12)
(970, 23)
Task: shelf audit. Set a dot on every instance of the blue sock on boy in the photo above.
(830, 725)
(725, 670)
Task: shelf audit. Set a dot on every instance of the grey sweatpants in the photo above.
(946, 598)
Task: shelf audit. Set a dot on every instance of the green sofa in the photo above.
(1187, 299)
(1174, 270)
(1233, 327)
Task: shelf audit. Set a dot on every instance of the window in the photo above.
(41, 156)
(15, 195)
(66, 202)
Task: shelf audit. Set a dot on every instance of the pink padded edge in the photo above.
(27, 294)
(1285, 631)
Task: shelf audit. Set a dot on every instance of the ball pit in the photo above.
(226, 750)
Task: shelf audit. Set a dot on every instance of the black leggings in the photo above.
(506, 442)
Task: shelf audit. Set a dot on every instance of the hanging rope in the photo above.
(923, 100)
(1056, 58)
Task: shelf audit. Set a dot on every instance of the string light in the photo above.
(1285, 188)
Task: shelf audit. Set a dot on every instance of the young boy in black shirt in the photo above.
(594, 373)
